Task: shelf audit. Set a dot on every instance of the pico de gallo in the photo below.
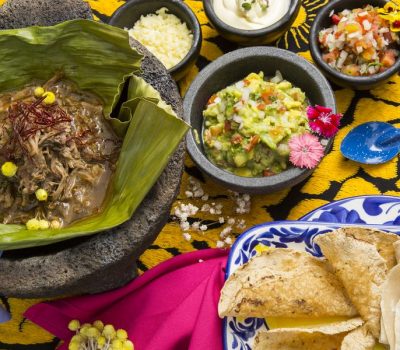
(247, 125)
(359, 42)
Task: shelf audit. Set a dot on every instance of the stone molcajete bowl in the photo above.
(106, 260)
(231, 68)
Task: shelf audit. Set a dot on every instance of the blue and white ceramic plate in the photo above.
(299, 235)
(379, 210)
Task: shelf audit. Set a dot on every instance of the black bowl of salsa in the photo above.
(231, 68)
(324, 20)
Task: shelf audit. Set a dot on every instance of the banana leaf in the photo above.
(99, 59)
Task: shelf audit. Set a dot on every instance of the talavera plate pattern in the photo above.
(381, 212)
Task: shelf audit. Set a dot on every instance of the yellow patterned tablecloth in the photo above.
(335, 178)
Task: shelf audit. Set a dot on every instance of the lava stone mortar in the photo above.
(106, 260)
(231, 68)
(323, 21)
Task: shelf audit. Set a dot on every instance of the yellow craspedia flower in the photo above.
(128, 345)
(99, 325)
(101, 341)
(9, 169)
(74, 346)
(109, 331)
(93, 332)
(44, 224)
(121, 334)
(50, 98)
(33, 225)
(77, 338)
(39, 91)
(41, 195)
(116, 344)
(74, 325)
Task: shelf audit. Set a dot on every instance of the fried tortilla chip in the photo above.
(383, 241)
(297, 341)
(327, 337)
(284, 283)
(361, 269)
(396, 246)
(390, 298)
(358, 339)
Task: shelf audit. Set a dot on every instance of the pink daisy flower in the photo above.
(323, 121)
(305, 150)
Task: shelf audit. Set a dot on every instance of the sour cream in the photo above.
(251, 14)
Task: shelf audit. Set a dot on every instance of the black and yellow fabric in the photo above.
(335, 178)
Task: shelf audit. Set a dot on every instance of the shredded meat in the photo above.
(67, 149)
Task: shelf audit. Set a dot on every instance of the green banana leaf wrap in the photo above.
(99, 59)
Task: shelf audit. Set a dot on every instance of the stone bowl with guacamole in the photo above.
(244, 108)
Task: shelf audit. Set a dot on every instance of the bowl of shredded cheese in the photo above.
(167, 28)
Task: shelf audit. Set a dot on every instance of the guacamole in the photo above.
(247, 125)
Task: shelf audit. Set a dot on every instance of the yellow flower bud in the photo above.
(121, 334)
(74, 346)
(99, 325)
(85, 329)
(74, 325)
(50, 98)
(39, 91)
(33, 225)
(101, 341)
(109, 331)
(93, 332)
(43, 224)
(77, 338)
(9, 169)
(41, 195)
(116, 344)
(128, 345)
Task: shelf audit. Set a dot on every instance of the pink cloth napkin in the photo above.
(170, 307)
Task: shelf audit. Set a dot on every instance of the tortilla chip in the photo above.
(397, 327)
(297, 341)
(358, 339)
(330, 328)
(326, 337)
(383, 241)
(362, 271)
(284, 283)
(396, 247)
(390, 298)
(383, 338)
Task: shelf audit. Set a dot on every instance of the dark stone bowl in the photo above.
(127, 15)
(322, 21)
(262, 36)
(233, 67)
(106, 260)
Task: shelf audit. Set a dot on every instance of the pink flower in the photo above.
(323, 121)
(305, 150)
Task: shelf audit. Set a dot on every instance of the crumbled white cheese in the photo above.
(164, 35)
(187, 236)
(228, 240)
(220, 244)
(231, 221)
